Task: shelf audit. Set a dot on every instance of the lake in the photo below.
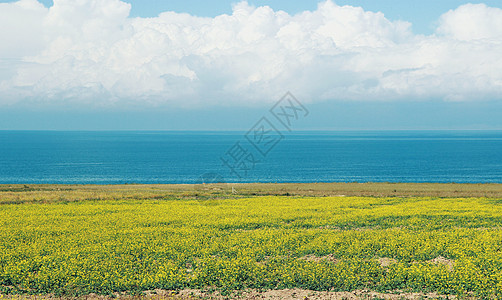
(117, 157)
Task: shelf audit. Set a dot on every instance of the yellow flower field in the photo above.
(447, 245)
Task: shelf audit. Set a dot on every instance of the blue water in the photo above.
(184, 157)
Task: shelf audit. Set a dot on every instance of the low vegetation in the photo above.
(76, 240)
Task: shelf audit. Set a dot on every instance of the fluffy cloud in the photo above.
(91, 53)
(472, 22)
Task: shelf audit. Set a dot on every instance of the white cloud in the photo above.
(472, 22)
(21, 33)
(91, 53)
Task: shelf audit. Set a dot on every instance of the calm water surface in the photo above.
(316, 156)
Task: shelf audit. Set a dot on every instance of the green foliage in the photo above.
(451, 246)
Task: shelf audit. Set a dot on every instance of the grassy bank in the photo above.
(56, 193)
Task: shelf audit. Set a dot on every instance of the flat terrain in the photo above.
(317, 241)
(52, 193)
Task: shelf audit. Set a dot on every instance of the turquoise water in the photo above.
(189, 157)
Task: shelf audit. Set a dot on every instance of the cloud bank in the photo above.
(90, 53)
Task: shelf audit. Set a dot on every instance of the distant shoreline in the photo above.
(372, 189)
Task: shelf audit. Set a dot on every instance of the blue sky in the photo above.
(99, 66)
(422, 14)
(325, 116)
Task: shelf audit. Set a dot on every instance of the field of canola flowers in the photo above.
(447, 245)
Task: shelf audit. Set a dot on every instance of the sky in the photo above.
(422, 14)
(200, 65)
